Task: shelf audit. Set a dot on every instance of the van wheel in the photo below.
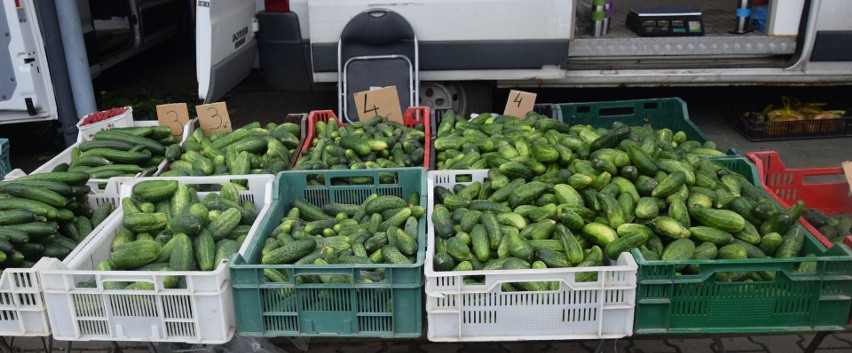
(462, 97)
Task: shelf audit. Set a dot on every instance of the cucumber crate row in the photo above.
(370, 300)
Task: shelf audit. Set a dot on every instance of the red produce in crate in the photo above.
(103, 115)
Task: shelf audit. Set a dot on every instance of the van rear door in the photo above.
(26, 92)
(226, 47)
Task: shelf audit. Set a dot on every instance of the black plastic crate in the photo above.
(753, 129)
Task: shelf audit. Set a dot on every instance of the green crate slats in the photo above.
(692, 304)
(5, 164)
(389, 309)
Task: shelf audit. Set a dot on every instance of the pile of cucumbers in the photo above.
(834, 227)
(380, 230)
(45, 215)
(168, 228)
(251, 149)
(125, 151)
(366, 144)
(560, 196)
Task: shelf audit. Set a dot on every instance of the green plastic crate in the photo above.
(389, 309)
(661, 113)
(667, 303)
(5, 164)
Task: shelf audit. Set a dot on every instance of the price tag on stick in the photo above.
(383, 102)
(175, 116)
(519, 104)
(213, 117)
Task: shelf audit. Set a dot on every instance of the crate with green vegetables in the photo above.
(163, 256)
(540, 142)
(353, 242)
(42, 215)
(509, 268)
(142, 150)
(251, 149)
(366, 144)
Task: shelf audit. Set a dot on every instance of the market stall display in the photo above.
(311, 285)
(147, 276)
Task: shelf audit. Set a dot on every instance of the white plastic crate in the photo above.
(200, 313)
(87, 132)
(22, 309)
(65, 157)
(459, 312)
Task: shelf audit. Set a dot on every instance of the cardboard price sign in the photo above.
(383, 102)
(847, 169)
(175, 116)
(213, 117)
(519, 104)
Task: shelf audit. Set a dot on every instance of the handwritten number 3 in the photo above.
(215, 114)
(179, 126)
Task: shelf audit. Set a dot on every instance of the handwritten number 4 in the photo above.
(375, 109)
(518, 99)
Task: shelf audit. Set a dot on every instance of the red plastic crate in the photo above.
(788, 186)
(412, 117)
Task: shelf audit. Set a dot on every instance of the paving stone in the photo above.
(779, 343)
(692, 345)
(832, 341)
(472, 347)
(740, 344)
(441, 347)
(522, 347)
(650, 346)
(844, 336)
(568, 346)
(344, 348)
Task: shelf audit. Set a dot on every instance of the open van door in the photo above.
(26, 92)
(225, 47)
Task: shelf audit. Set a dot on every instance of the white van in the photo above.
(467, 47)
(113, 31)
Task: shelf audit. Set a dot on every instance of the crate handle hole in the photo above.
(650, 105)
(463, 178)
(543, 286)
(616, 111)
(473, 280)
